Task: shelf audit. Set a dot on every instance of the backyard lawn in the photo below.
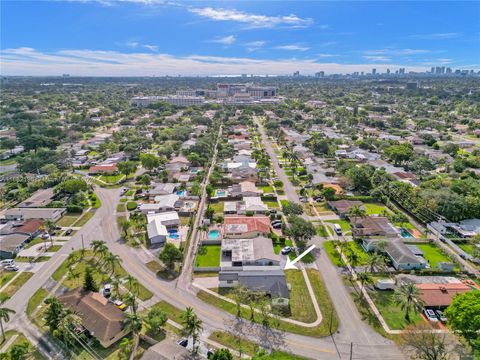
(272, 204)
(361, 254)
(217, 207)
(465, 246)
(208, 255)
(374, 209)
(266, 189)
(433, 254)
(391, 312)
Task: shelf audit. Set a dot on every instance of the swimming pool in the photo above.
(181, 192)
(173, 234)
(213, 235)
(220, 193)
(404, 233)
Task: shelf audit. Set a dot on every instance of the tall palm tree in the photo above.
(4, 316)
(131, 301)
(364, 278)
(112, 261)
(407, 296)
(116, 287)
(375, 262)
(132, 282)
(356, 212)
(97, 245)
(192, 325)
(353, 258)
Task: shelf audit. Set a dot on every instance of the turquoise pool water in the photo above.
(220, 193)
(173, 234)
(180, 192)
(404, 233)
(213, 235)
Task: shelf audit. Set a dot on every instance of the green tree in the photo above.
(292, 208)
(127, 167)
(89, 283)
(4, 316)
(192, 325)
(98, 247)
(170, 254)
(464, 317)
(20, 351)
(73, 186)
(400, 153)
(54, 313)
(407, 296)
(156, 319)
(149, 161)
(221, 354)
(300, 230)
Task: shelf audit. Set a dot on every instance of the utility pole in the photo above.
(351, 350)
(83, 245)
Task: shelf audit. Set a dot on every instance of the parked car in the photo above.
(430, 314)
(286, 250)
(277, 226)
(12, 267)
(440, 316)
(273, 211)
(58, 227)
(277, 221)
(318, 198)
(308, 186)
(68, 232)
(338, 229)
(210, 352)
(107, 290)
(7, 262)
(303, 199)
(120, 305)
(182, 342)
(46, 236)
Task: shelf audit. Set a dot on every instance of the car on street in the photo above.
(430, 315)
(11, 267)
(120, 305)
(107, 290)
(68, 232)
(182, 342)
(338, 229)
(303, 199)
(441, 316)
(7, 262)
(286, 250)
(277, 226)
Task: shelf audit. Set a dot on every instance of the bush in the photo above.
(131, 205)
(74, 209)
(249, 213)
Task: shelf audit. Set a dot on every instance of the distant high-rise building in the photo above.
(374, 71)
(388, 71)
(296, 73)
(412, 85)
(361, 73)
(401, 71)
(320, 74)
(449, 70)
(432, 70)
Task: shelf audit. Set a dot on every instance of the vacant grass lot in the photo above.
(391, 312)
(68, 220)
(344, 224)
(217, 207)
(111, 179)
(86, 216)
(374, 209)
(208, 255)
(301, 306)
(277, 246)
(433, 254)
(362, 255)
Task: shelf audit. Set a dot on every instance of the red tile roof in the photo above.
(30, 226)
(109, 167)
(440, 294)
(254, 223)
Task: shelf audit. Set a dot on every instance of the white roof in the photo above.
(167, 200)
(163, 217)
(156, 228)
(254, 203)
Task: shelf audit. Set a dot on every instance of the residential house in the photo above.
(400, 254)
(342, 207)
(166, 350)
(245, 226)
(372, 226)
(103, 169)
(159, 224)
(100, 317)
(168, 202)
(161, 189)
(249, 205)
(439, 296)
(11, 244)
(34, 213)
(245, 189)
(40, 198)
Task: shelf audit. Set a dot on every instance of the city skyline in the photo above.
(150, 37)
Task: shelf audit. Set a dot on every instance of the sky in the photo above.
(198, 38)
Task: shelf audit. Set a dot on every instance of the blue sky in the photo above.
(161, 37)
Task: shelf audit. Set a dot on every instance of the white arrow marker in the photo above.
(291, 263)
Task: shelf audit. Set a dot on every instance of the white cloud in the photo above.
(227, 40)
(131, 44)
(253, 20)
(328, 43)
(254, 45)
(151, 47)
(436, 36)
(377, 58)
(28, 61)
(391, 51)
(292, 47)
(327, 55)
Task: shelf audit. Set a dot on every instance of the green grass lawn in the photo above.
(172, 312)
(301, 306)
(433, 254)
(208, 255)
(68, 220)
(184, 220)
(111, 179)
(121, 207)
(357, 248)
(54, 248)
(322, 207)
(21, 339)
(86, 216)
(391, 312)
(322, 298)
(36, 300)
(344, 224)
(374, 209)
(272, 204)
(465, 246)
(16, 284)
(266, 189)
(333, 254)
(217, 207)
(322, 231)
(6, 276)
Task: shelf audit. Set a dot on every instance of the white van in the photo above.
(7, 262)
(338, 229)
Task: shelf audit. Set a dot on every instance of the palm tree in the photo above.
(364, 278)
(50, 226)
(131, 301)
(97, 245)
(375, 262)
(134, 323)
(192, 325)
(407, 296)
(353, 258)
(132, 282)
(4, 316)
(116, 287)
(112, 260)
(381, 245)
(356, 212)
